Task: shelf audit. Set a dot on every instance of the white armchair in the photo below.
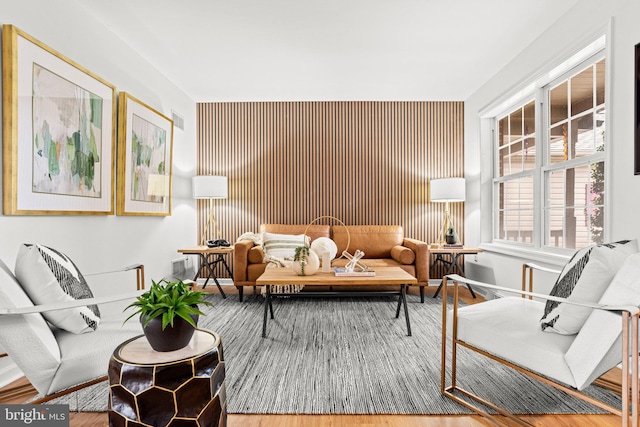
(507, 330)
(55, 361)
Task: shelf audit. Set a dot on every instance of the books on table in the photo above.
(340, 271)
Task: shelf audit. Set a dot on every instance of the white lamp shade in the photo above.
(210, 187)
(447, 190)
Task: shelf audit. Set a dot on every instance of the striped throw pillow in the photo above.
(48, 276)
(282, 246)
(584, 278)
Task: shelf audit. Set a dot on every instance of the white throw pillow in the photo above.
(584, 278)
(282, 246)
(49, 276)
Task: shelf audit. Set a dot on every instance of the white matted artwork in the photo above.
(58, 133)
(145, 141)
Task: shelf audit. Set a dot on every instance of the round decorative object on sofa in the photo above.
(324, 244)
(341, 223)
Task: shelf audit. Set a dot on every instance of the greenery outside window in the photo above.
(574, 170)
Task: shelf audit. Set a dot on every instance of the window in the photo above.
(516, 151)
(575, 164)
(549, 173)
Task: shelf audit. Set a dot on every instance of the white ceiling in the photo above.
(315, 50)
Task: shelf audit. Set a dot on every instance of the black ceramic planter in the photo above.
(451, 239)
(171, 338)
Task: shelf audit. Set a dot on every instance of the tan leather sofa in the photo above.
(383, 246)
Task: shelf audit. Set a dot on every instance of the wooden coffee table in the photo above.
(384, 276)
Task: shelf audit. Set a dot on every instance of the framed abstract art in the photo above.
(58, 132)
(145, 141)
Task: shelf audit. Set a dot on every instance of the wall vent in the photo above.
(182, 268)
(178, 120)
(177, 266)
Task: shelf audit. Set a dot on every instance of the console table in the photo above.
(209, 258)
(454, 255)
(182, 387)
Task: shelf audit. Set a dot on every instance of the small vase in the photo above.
(451, 239)
(172, 337)
(310, 268)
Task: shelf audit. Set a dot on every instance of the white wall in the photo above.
(99, 243)
(570, 33)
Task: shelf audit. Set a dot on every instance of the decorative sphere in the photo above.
(312, 266)
(324, 244)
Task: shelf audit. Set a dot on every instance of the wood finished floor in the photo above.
(90, 419)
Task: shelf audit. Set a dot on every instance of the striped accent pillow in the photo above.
(48, 276)
(282, 246)
(584, 278)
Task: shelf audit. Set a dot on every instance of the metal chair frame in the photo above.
(27, 389)
(630, 394)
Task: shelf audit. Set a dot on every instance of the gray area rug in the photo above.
(351, 356)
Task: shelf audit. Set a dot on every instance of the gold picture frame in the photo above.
(145, 157)
(59, 123)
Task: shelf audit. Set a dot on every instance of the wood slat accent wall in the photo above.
(362, 162)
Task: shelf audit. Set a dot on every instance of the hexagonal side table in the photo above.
(176, 388)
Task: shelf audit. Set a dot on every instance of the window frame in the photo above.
(539, 91)
(497, 180)
(575, 162)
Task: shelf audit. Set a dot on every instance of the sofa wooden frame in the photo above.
(629, 315)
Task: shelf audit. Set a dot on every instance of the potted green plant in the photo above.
(451, 237)
(168, 314)
(305, 261)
